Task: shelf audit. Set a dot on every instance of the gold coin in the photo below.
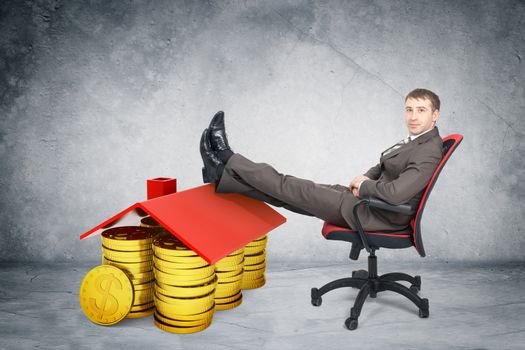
(166, 254)
(130, 267)
(175, 329)
(227, 289)
(260, 266)
(129, 245)
(254, 251)
(127, 237)
(116, 254)
(148, 275)
(129, 252)
(228, 306)
(136, 281)
(181, 262)
(185, 283)
(182, 269)
(233, 278)
(148, 221)
(190, 259)
(255, 244)
(193, 317)
(254, 259)
(200, 300)
(226, 274)
(186, 292)
(253, 284)
(178, 306)
(230, 261)
(130, 260)
(138, 314)
(143, 286)
(251, 277)
(195, 279)
(142, 307)
(171, 245)
(184, 323)
(106, 295)
(228, 299)
(199, 272)
(142, 298)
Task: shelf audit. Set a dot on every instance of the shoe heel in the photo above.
(205, 177)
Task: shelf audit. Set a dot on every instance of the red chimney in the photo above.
(161, 186)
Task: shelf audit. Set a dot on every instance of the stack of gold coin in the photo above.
(129, 248)
(255, 264)
(229, 274)
(184, 287)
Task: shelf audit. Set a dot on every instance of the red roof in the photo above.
(211, 224)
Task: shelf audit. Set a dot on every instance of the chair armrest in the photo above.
(381, 204)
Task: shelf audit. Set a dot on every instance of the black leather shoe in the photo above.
(212, 164)
(218, 139)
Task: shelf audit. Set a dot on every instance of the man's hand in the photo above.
(354, 184)
(357, 180)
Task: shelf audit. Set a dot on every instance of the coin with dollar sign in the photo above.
(106, 295)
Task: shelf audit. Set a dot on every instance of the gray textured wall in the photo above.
(98, 96)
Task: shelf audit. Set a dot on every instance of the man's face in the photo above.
(419, 115)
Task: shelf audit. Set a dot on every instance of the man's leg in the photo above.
(261, 181)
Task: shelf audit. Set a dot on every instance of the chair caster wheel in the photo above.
(423, 310)
(360, 274)
(351, 323)
(316, 300)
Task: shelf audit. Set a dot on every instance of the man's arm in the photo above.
(410, 182)
(374, 172)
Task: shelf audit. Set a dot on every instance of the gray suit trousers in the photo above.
(262, 182)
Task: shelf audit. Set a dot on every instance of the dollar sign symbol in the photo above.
(105, 308)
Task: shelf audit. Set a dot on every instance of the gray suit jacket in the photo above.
(400, 177)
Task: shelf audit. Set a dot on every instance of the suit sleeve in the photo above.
(410, 182)
(374, 172)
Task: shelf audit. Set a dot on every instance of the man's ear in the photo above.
(435, 115)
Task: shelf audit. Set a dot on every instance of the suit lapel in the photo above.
(419, 140)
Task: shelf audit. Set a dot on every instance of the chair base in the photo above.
(369, 284)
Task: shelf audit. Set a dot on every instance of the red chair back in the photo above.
(450, 143)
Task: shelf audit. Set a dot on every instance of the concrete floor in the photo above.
(471, 307)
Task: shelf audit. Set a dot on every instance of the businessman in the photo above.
(400, 176)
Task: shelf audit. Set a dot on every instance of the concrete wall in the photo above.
(98, 96)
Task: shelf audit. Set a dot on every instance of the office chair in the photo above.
(368, 282)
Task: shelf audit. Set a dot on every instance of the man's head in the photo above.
(421, 110)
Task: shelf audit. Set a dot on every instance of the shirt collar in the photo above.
(413, 137)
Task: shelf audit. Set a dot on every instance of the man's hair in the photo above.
(419, 94)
